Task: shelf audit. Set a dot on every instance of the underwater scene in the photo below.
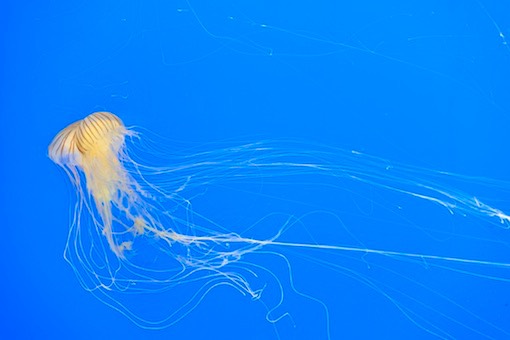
(255, 170)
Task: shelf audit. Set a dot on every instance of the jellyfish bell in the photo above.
(98, 135)
(136, 234)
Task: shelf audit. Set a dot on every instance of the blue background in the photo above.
(421, 83)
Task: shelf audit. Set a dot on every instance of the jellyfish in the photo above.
(136, 231)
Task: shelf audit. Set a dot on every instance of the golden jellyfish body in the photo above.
(95, 146)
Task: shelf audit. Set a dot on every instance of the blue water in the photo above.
(423, 85)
